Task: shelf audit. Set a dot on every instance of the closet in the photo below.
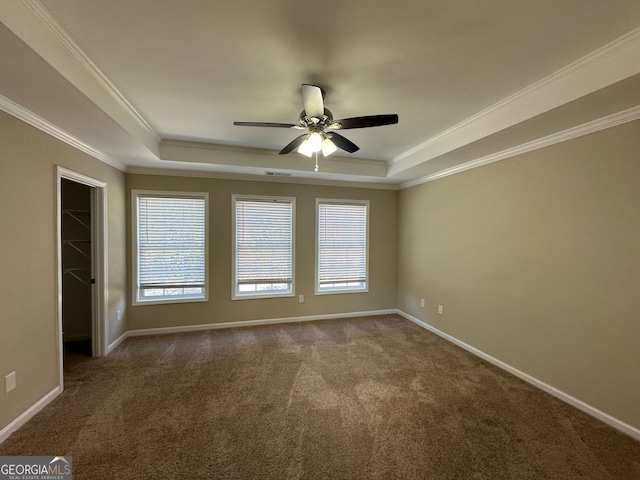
(77, 280)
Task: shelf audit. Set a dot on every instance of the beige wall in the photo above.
(28, 342)
(220, 307)
(536, 261)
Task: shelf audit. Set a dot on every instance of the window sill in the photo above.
(337, 292)
(262, 296)
(138, 303)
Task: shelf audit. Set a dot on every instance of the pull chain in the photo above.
(317, 168)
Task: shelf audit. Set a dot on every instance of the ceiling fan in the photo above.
(321, 128)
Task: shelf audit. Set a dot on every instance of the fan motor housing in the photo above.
(325, 121)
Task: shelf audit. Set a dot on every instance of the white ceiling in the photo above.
(157, 84)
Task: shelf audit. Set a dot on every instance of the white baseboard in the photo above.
(594, 412)
(27, 415)
(565, 397)
(117, 342)
(44, 401)
(252, 323)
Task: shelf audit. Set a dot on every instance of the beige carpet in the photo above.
(374, 398)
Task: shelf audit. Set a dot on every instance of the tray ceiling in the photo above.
(151, 85)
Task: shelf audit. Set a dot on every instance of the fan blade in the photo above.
(312, 101)
(266, 124)
(293, 145)
(365, 122)
(344, 143)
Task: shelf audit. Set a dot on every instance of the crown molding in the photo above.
(260, 178)
(254, 158)
(218, 147)
(25, 115)
(568, 134)
(85, 61)
(607, 65)
(35, 26)
(32, 23)
(40, 123)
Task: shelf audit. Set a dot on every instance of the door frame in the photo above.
(99, 333)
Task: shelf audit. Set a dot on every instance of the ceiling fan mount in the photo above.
(321, 128)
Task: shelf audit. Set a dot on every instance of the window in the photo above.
(169, 246)
(263, 246)
(342, 246)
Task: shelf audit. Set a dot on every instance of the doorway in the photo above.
(77, 268)
(81, 234)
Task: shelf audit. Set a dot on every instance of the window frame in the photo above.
(135, 195)
(316, 282)
(235, 295)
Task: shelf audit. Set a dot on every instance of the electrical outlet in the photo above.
(118, 315)
(422, 302)
(10, 382)
(440, 309)
(301, 298)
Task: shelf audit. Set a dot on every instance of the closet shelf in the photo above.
(72, 272)
(72, 244)
(75, 214)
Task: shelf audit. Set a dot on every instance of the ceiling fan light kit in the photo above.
(315, 142)
(305, 148)
(328, 147)
(321, 127)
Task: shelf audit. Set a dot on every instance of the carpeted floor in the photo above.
(370, 398)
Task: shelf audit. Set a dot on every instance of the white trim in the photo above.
(112, 346)
(262, 198)
(80, 178)
(565, 397)
(99, 246)
(594, 412)
(29, 413)
(40, 123)
(261, 178)
(43, 15)
(253, 323)
(222, 156)
(367, 204)
(586, 75)
(35, 25)
(100, 266)
(135, 194)
(603, 123)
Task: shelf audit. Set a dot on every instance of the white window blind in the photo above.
(171, 247)
(342, 246)
(263, 246)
